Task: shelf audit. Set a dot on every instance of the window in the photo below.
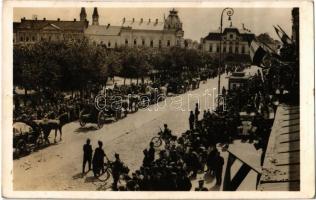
(230, 47)
(151, 43)
(224, 49)
(21, 38)
(243, 49)
(217, 49)
(109, 44)
(115, 44)
(33, 38)
(231, 36)
(168, 43)
(236, 49)
(143, 42)
(49, 38)
(159, 43)
(27, 39)
(126, 41)
(135, 42)
(210, 48)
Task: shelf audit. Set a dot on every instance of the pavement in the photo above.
(58, 166)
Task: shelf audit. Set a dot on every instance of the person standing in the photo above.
(191, 120)
(116, 170)
(197, 112)
(219, 162)
(87, 155)
(151, 153)
(98, 160)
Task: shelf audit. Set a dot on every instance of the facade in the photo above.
(234, 44)
(137, 33)
(30, 31)
(35, 30)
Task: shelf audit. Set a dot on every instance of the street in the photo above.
(58, 166)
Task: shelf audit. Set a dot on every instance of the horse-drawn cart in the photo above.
(24, 137)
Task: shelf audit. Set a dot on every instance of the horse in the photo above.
(48, 124)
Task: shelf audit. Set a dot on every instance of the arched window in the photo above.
(143, 42)
(151, 43)
(135, 42)
(168, 43)
(21, 38)
(27, 39)
(126, 41)
(109, 44)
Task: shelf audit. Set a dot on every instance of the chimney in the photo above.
(141, 20)
(58, 19)
(44, 19)
(75, 19)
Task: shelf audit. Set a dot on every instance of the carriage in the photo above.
(25, 137)
(90, 114)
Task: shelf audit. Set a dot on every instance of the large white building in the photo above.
(137, 33)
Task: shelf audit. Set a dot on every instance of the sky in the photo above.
(197, 22)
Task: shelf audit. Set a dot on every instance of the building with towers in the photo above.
(137, 33)
(157, 33)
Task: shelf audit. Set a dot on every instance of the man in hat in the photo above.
(87, 155)
(201, 186)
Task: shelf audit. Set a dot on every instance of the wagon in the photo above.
(24, 137)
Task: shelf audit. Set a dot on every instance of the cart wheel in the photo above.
(157, 141)
(106, 175)
(101, 119)
(39, 141)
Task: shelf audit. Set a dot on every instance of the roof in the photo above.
(144, 25)
(215, 35)
(58, 24)
(103, 30)
(281, 167)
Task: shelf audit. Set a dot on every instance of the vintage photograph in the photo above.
(156, 99)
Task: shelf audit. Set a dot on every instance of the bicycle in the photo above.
(168, 139)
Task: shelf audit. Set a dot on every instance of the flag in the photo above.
(282, 35)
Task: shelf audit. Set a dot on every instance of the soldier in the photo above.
(191, 120)
(87, 155)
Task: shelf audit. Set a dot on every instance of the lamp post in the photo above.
(229, 12)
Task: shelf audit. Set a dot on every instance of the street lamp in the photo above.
(229, 12)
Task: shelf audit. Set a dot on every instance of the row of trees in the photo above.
(74, 66)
